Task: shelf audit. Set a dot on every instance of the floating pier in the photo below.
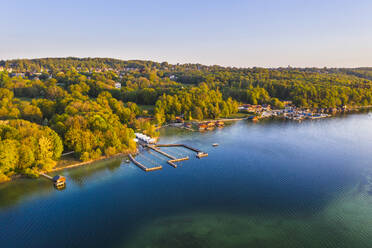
(142, 166)
(173, 160)
(199, 153)
(161, 152)
(46, 176)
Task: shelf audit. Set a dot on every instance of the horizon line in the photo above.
(192, 63)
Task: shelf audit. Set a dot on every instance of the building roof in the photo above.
(59, 178)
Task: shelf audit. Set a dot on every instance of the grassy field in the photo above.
(27, 99)
(237, 115)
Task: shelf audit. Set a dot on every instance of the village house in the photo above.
(118, 85)
(211, 125)
(188, 125)
(287, 103)
(220, 123)
(179, 119)
(266, 107)
(251, 108)
(202, 127)
(2, 68)
(18, 74)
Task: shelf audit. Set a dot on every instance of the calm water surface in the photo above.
(270, 184)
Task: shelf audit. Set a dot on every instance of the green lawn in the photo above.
(27, 99)
(238, 115)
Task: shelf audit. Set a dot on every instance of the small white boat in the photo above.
(215, 144)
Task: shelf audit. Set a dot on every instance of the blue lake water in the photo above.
(268, 184)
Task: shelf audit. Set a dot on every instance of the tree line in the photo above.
(93, 106)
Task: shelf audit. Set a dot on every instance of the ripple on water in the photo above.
(274, 184)
(343, 223)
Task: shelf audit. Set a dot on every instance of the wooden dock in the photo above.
(142, 166)
(172, 162)
(191, 148)
(161, 152)
(199, 153)
(46, 176)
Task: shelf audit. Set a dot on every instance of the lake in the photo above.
(268, 184)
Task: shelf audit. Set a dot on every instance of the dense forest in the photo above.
(93, 106)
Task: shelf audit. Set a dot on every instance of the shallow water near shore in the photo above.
(269, 184)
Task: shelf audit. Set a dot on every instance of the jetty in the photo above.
(46, 176)
(147, 142)
(161, 152)
(143, 167)
(172, 162)
(199, 153)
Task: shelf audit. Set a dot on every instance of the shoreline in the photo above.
(103, 158)
(351, 110)
(203, 121)
(78, 164)
(70, 166)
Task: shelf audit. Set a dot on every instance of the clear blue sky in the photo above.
(266, 33)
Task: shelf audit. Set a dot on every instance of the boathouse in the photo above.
(59, 181)
(210, 124)
(220, 123)
(144, 138)
(202, 126)
(179, 119)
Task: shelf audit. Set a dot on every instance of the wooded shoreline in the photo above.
(103, 158)
(94, 106)
(73, 165)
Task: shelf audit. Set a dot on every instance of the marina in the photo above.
(150, 143)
